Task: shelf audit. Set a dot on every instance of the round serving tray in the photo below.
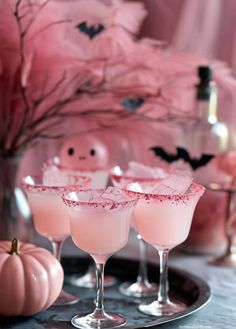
(185, 287)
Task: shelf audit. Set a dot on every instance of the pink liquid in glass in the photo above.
(163, 222)
(100, 233)
(50, 215)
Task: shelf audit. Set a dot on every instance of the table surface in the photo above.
(219, 313)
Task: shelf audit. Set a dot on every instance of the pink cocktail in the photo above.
(99, 223)
(50, 215)
(141, 174)
(45, 206)
(99, 178)
(164, 220)
(113, 232)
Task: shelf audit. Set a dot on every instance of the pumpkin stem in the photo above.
(14, 247)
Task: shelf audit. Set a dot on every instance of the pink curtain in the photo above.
(207, 28)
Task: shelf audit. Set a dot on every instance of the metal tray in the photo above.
(185, 287)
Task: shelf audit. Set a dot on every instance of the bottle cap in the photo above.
(205, 73)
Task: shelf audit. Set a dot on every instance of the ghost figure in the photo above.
(83, 152)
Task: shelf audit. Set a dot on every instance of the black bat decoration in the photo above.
(168, 157)
(90, 31)
(132, 104)
(183, 154)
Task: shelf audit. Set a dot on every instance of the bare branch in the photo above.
(46, 27)
(38, 102)
(33, 19)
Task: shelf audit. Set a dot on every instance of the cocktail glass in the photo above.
(226, 162)
(99, 224)
(141, 287)
(99, 179)
(164, 222)
(229, 256)
(50, 216)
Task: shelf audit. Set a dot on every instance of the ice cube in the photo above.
(114, 193)
(140, 170)
(99, 196)
(117, 171)
(73, 196)
(176, 183)
(135, 187)
(53, 176)
(159, 172)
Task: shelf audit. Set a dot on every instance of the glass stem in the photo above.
(57, 246)
(163, 297)
(142, 273)
(229, 231)
(99, 310)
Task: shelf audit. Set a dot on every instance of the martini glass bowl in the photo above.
(99, 179)
(164, 222)
(142, 287)
(50, 215)
(99, 224)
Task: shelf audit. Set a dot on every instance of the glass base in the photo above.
(65, 299)
(89, 280)
(138, 289)
(106, 320)
(228, 260)
(160, 309)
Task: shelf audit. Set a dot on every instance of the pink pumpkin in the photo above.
(30, 278)
(83, 152)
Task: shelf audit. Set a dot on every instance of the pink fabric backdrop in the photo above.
(207, 28)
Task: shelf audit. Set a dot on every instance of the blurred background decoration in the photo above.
(84, 58)
(120, 70)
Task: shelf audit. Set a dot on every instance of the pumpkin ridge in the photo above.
(28, 251)
(25, 258)
(46, 267)
(38, 252)
(34, 249)
(4, 246)
(5, 273)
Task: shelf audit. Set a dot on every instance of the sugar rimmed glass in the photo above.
(50, 216)
(99, 179)
(164, 222)
(142, 287)
(99, 226)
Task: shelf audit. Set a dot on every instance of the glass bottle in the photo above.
(205, 134)
(203, 138)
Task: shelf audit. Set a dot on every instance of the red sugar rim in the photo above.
(192, 191)
(111, 204)
(81, 182)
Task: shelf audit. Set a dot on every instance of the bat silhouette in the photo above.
(132, 104)
(183, 154)
(168, 157)
(90, 31)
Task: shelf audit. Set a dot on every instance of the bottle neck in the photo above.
(207, 106)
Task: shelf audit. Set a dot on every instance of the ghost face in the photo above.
(83, 152)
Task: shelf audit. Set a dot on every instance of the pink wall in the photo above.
(204, 27)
